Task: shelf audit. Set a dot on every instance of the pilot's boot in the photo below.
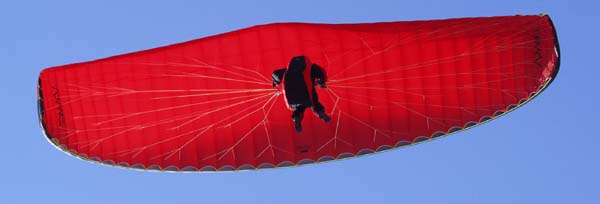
(323, 116)
(298, 124)
(297, 118)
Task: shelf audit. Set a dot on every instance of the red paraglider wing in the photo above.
(209, 104)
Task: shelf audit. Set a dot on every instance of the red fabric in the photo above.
(209, 103)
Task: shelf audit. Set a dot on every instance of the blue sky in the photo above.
(545, 152)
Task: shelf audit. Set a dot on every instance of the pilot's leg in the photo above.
(318, 108)
(297, 116)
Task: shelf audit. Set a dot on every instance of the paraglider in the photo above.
(210, 105)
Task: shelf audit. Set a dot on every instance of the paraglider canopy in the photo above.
(209, 104)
